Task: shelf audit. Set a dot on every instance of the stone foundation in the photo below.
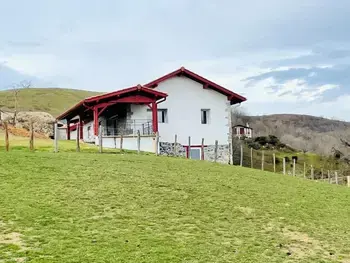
(167, 149)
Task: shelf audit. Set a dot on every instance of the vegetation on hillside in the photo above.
(50, 100)
(89, 207)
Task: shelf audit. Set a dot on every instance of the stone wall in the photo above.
(167, 148)
(223, 153)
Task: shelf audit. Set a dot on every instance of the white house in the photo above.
(180, 103)
(243, 131)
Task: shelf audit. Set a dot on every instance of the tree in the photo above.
(16, 90)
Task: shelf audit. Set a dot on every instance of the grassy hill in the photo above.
(51, 100)
(89, 207)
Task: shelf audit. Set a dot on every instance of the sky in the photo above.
(290, 56)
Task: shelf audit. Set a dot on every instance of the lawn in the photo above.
(112, 207)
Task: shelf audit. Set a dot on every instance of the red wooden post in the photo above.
(96, 121)
(68, 129)
(155, 117)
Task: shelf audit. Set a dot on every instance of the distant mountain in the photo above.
(10, 77)
(303, 132)
(52, 100)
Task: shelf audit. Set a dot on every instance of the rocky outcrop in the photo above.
(42, 121)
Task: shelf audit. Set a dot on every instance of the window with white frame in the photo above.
(162, 115)
(205, 116)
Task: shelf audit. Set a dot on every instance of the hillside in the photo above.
(126, 208)
(304, 132)
(51, 100)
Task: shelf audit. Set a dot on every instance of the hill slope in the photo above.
(302, 132)
(137, 208)
(51, 100)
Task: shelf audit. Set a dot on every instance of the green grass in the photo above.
(90, 207)
(52, 100)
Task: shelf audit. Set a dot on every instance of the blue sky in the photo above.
(284, 56)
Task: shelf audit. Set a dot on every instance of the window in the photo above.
(205, 116)
(162, 115)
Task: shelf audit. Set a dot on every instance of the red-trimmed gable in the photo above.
(207, 84)
(118, 95)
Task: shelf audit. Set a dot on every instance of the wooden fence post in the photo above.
(189, 148)
(336, 177)
(348, 180)
(100, 140)
(304, 169)
(284, 165)
(121, 142)
(312, 173)
(55, 132)
(274, 162)
(241, 159)
(139, 141)
(31, 139)
(7, 143)
(202, 150)
(251, 158)
(329, 177)
(216, 151)
(77, 139)
(262, 160)
(322, 176)
(157, 143)
(175, 146)
(293, 167)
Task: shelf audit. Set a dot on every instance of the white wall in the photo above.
(147, 144)
(185, 100)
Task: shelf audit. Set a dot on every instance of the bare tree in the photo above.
(16, 90)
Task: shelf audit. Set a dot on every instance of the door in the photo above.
(195, 153)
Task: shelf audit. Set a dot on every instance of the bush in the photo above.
(273, 140)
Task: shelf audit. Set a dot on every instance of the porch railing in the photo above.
(129, 127)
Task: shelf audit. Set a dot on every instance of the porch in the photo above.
(114, 112)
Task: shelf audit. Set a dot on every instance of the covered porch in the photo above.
(113, 112)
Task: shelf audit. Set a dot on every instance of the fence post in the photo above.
(31, 139)
(322, 176)
(121, 142)
(175, 146)
(284, 165)
(241, 159)
(216, 151)
(329, 177)
(304, 169)
(336, 177)
(274, 162)
(77, 139)
(293, 167)
(55, 132)
(262, 160)
(7, 143)
(251, 158)
(100, 139)
(189, 148)
(157, 143)
(348, 180)
(202, 150)
(312, 173)
(139, 141)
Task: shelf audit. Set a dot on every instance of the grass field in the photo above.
(89, 207)
(52, 100)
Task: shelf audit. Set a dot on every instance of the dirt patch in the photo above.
(245, 210)
(12, 238)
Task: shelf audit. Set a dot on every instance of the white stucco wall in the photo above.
(147, 144)
(185, 100)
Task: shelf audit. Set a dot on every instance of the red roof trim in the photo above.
(156, 94)
(207, 83)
